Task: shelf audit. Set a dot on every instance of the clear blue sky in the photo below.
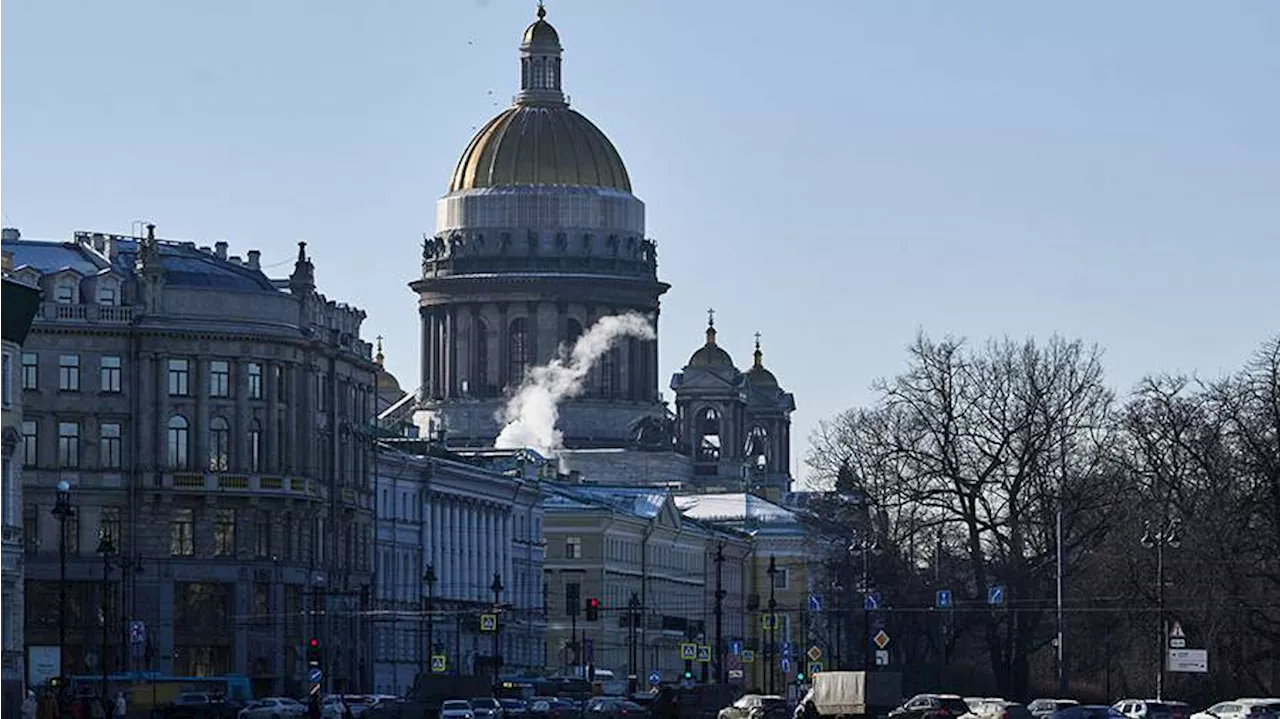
(833, 174)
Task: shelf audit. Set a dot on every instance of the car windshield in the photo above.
(955, 705)
(455, 705)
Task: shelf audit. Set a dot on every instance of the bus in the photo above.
(151, 690)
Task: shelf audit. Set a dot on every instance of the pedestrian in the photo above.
(122, 706)
(29, 705)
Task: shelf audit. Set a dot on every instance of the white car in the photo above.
(272, 708)
(1242, 709)
(456, 709)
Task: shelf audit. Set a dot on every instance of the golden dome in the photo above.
(711, 354)
(758, 376)
(541, 32)
(540, 145)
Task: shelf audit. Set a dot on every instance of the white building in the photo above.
(467, 522)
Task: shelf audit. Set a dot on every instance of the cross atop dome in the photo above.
(540, 64)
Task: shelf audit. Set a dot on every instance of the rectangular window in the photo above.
(31, 528)
(69, 444)
(282, 389)
(107, 295)
(255, 380)
(30, 442)
(109, 374)
(179, 377)
(69, 373)
(261, 602)
(30, 371)
(7, 378)
(262, 535)
(109, 525)
(572, 598)
(573, 548)
(110, 445)
(224, 533)
(64, 294)
(780, 579)
(320, 392)
(219, 378)
(182, 533)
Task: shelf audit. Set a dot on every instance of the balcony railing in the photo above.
(219, 482)
(61, 312)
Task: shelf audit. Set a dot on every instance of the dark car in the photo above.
(931, 706)
(1088, 711)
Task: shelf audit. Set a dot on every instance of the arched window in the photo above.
(255, 446)
(219, 445)
(708, 426)
(757, 447)
(179, 443)
(572, 331)
(518, 351)
(481, 343)
(609, 373)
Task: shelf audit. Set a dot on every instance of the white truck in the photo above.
(849, 695)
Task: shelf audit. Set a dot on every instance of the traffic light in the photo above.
(688, 670)
(313, 652)
(799, 677)
(593, 609)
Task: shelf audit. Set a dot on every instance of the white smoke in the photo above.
(529, 417)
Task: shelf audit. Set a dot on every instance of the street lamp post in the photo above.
(62, 511)
(718, 654)
(633, 618)
(429, 577)
(773, 625)
(108, 551)
(496, 588)
(862, 545)
(1169, 534)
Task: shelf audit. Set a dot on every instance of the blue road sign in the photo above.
(995, 595)
(786, 649)
(315, 675)
(815, 603)
(137, 632)
(735, 646)
(871, 602)
(786, 664)
(655, 678)
(944, 599)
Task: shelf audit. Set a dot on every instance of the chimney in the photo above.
(254, 257)
(206, 249)
(151, 231)
(235, 260)
(10, 234)
(220, 249)
(99, 242)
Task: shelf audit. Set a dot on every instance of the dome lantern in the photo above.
(540, 65)
(711, 354)
(758, 376)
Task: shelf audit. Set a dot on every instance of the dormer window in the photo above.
(64, 294)
(107, 295)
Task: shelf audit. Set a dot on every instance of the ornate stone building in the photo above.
(211, 422)
(21, 302)
(538, 236)
(736, 426)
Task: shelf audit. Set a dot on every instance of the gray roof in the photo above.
(185, 266)
(642, 502)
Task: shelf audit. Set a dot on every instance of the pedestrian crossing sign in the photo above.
(689, 651)
(439, 664)
(704, 653)
(768, 621)
(748, 656)
(488, 622)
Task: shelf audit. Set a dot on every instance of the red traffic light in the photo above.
(314, 642)
(593, 603)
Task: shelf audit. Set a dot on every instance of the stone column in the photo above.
(504, 344)
(426, 343)
(451, 346)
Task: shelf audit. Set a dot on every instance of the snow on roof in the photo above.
(733, 506)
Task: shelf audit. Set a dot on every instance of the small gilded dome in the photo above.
(541, 32)
(538, 145)
(711, 354)
(758, 376)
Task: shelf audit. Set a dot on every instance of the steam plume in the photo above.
(529, 417)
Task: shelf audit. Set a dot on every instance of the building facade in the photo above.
(446, 528)
(20, 304)
(613, 544)
(212, 423)
(538, 236)
(735, 426)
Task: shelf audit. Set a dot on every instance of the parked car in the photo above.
(1087, 711)
(1046, 707)
(931, 706)
(513, 708)
(1001, 709)
(486, 708)
(1242, 709)
(272, 708)
(614, 708)
(456, 709)
(755, 706)
(1148, 708)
